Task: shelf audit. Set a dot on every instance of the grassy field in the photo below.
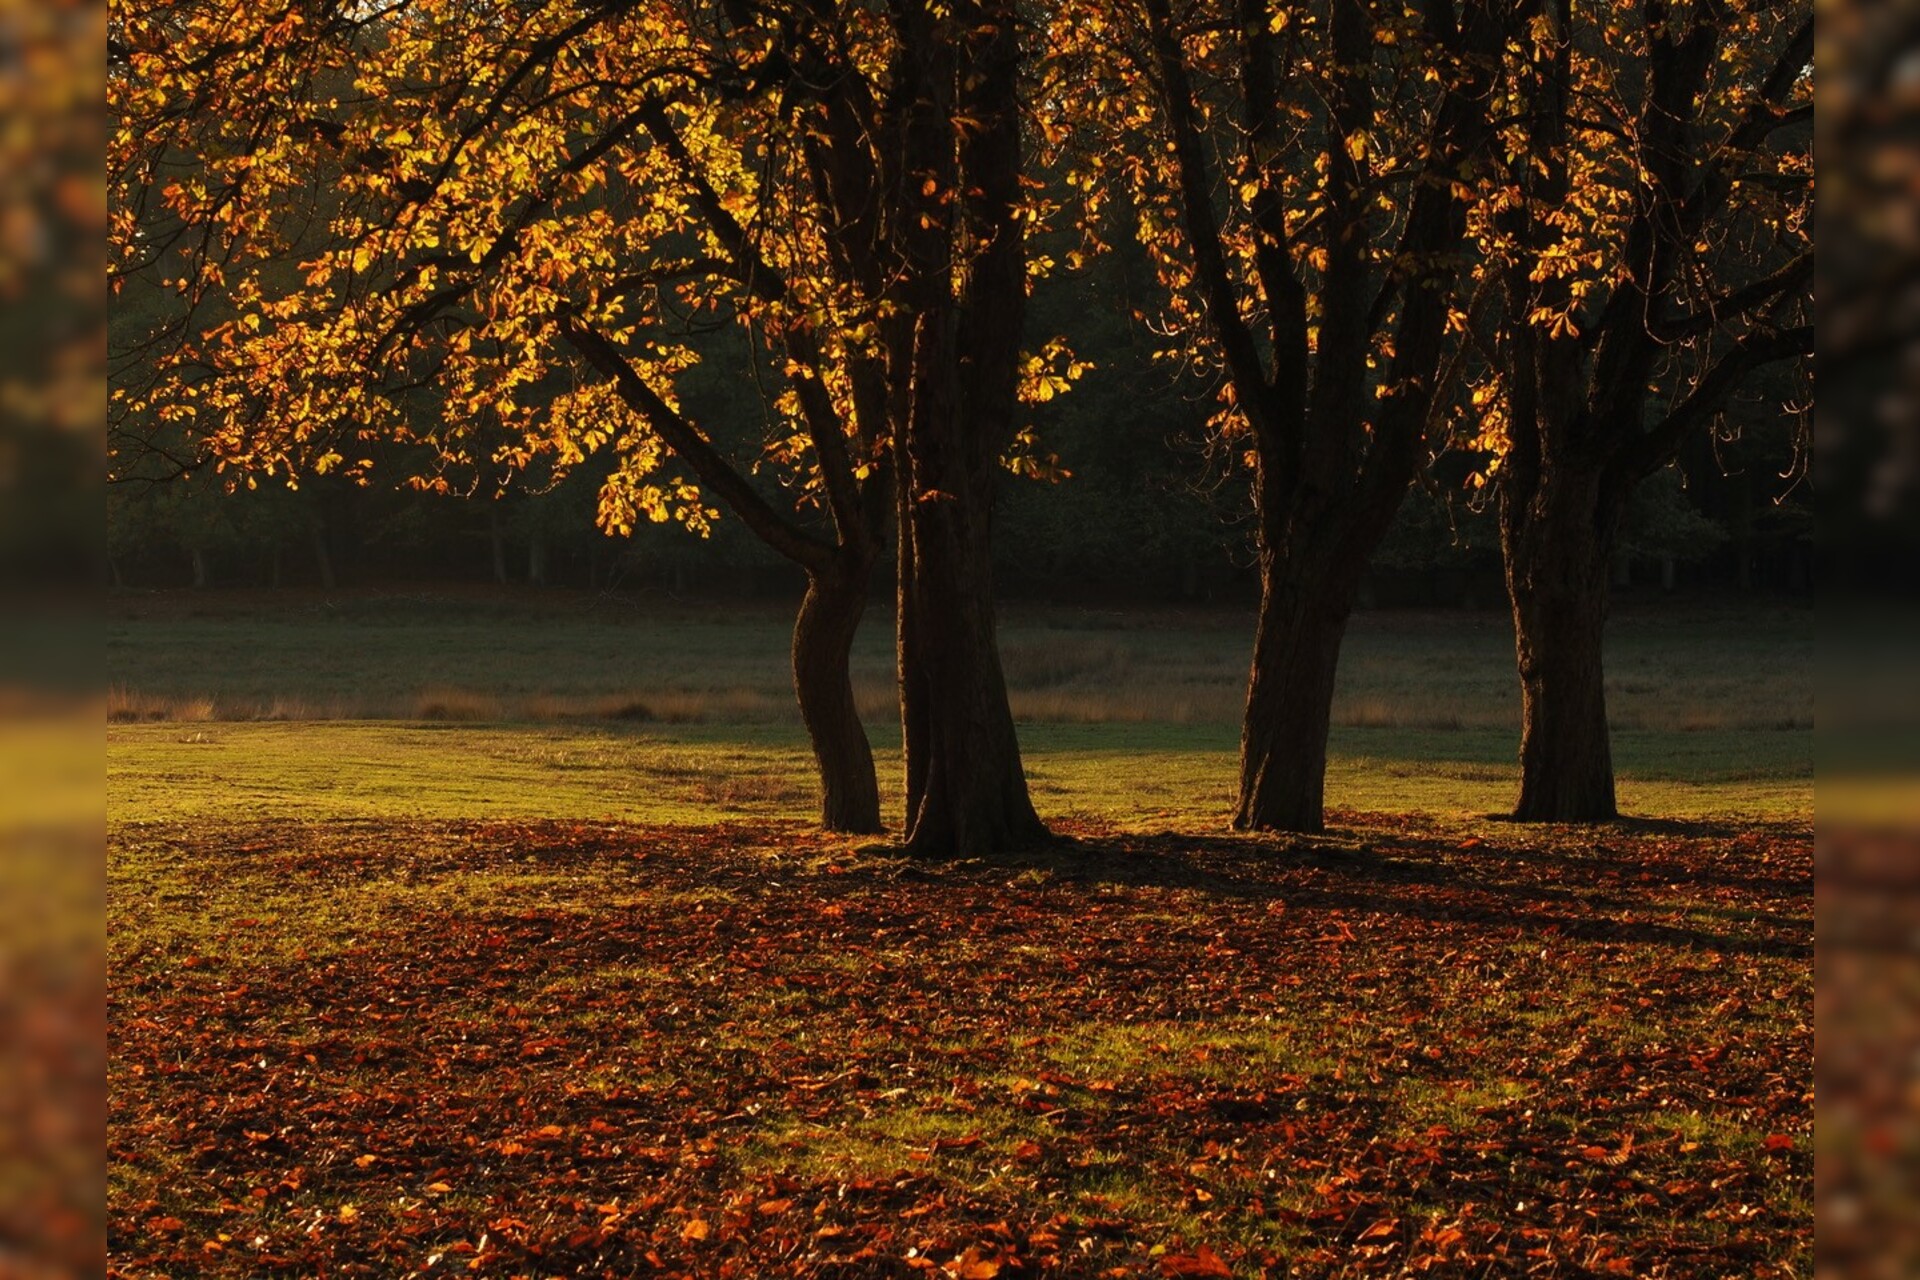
(488, 936)
(569, 656)
(587, 707)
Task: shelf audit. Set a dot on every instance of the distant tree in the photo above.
(1648, 236)
(528, 212)
(1300, 172)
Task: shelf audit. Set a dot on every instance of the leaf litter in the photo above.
(553, 1049)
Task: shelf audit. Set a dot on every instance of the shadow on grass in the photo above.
(1632, 895)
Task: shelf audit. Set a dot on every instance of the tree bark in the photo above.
(1558, 548)
(966, 787)
(966, 287)
(322, 554)
(1283, 738)
(822, 646)
(497, 544)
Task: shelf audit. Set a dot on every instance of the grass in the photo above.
(1141, 776)
(448, 934)
(369, 707)
(582, 657)
(553, 1047)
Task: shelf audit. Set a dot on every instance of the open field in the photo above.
(571, 656)
(543, 986)
(586, 707)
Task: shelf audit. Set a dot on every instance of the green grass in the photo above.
(1149, 776)
(549, 658)
(366, 855)
(585, 707)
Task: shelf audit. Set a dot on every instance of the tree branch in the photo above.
(1202, 224)
(1648, 452)
(715, 472)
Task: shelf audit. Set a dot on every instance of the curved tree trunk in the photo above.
(1558, 548)
(822, 646)
(1283, 738)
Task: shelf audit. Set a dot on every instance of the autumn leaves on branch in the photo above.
(488, 240)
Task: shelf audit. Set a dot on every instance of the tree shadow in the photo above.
(1608, 899)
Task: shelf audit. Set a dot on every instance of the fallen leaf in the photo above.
(1201, 1262)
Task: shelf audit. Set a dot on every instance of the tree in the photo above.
(533, 210)
(1649, 237)
(1298, 170)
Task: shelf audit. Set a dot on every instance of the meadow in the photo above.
(590, 706)
(488, 934)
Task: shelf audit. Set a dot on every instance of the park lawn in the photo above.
(1142, 776)
(546, 1047)
(579, 992)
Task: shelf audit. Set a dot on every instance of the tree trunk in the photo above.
(966, 787)
(202, 575)
(537, 558)
(1283, 740)
(1557, 553)
(497, 543)
(322, 554)
(822, 647)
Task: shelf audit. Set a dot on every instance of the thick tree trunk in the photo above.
(1283, 740)
(822, 647)
(966, 787)
(1557, 551)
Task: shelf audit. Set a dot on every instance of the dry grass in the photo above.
(464, 705)
(126, 706)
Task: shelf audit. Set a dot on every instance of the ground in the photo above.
(556, 988)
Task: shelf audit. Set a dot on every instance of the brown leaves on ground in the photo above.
(500, 1050)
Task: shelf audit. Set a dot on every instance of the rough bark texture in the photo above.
(822, 643)
(966, 788)
(1584, 423)
(1335, 439)
(1283, 738)
(1558, 548)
